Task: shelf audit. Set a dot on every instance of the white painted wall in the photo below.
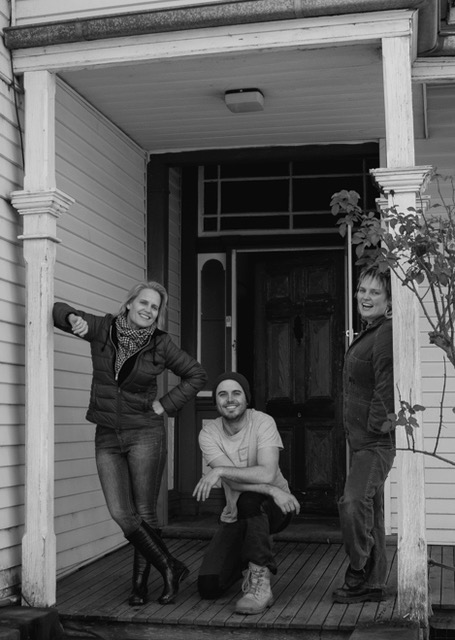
(437, 150)
(103, 253)
(35, 11)
(12, 313)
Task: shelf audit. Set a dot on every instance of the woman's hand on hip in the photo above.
(157, 407)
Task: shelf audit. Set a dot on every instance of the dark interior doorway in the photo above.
(290, 344)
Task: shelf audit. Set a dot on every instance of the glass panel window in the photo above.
(212, 319)
(282, 196)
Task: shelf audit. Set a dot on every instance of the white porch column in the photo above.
(401, 182)
(40, 204)
(402, 186)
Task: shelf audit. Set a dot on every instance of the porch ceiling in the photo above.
(312, 96)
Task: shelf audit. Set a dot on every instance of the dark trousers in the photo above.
(236, 544)
(361, 510)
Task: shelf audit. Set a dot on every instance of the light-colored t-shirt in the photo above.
(259, 432)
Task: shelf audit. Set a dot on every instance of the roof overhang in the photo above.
(321, 77)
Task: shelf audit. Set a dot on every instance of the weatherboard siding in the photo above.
(12, 335)
(437, 150)
(101, 255)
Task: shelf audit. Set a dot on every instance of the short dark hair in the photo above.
(373, 271)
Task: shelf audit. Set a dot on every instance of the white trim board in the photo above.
(306, 33)
(434, 70)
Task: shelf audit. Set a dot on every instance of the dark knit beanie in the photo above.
(233, 375)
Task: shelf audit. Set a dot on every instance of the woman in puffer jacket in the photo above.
(368, 394)
(129, 350)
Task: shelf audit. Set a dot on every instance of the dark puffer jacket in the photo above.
(126, 402)
(368, 388)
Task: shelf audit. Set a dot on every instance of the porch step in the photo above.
(29, 623)
(385, 632)
(442, 624)
(301, 529)
(84, 630)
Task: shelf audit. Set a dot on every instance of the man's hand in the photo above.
(206, 483)
(78, 325)
(285, 501)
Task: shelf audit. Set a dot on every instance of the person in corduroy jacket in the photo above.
(368, 398)
(129, 350)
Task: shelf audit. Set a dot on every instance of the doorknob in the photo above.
(298, 329)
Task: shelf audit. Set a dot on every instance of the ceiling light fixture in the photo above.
(244, 100)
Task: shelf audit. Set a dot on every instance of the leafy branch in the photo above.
(419, 247)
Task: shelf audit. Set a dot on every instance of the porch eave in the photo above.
(205, 15)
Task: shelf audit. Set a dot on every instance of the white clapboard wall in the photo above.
(102, 254)
(437, 150)
(36, 11)
(12, 313)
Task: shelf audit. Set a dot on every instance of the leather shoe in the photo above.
(347, 595)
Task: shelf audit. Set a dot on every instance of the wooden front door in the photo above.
(299, 346)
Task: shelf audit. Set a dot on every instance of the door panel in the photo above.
(298, 366)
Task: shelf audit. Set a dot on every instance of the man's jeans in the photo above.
(130, 465)
(361, 510)
(236, 544)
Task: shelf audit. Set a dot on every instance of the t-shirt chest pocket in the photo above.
(243, 454)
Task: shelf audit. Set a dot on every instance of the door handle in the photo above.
(298, 329)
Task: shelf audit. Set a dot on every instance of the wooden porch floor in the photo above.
(93, 601)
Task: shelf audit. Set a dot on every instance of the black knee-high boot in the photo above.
(141, 572)
(150, 544)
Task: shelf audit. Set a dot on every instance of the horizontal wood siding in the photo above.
(174, 295)
(34, 11)
(12, 351)
(101, 256)
(437, 150)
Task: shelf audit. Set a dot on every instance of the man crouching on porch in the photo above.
(242, 448)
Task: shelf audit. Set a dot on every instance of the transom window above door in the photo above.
(279, 197)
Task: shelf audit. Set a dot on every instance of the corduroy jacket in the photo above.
(368, 387)
(126, 402)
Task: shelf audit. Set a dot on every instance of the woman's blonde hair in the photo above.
(136, 290)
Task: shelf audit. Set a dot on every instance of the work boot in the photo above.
(257, 592)
(355, 578)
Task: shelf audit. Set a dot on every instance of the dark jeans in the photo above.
(130, 465)
(236, 544)
(361, 510)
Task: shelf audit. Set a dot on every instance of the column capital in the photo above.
(383, 205)
(41, 210)
(51, 201)
(403, 179)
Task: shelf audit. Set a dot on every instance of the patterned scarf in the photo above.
(129, 340)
